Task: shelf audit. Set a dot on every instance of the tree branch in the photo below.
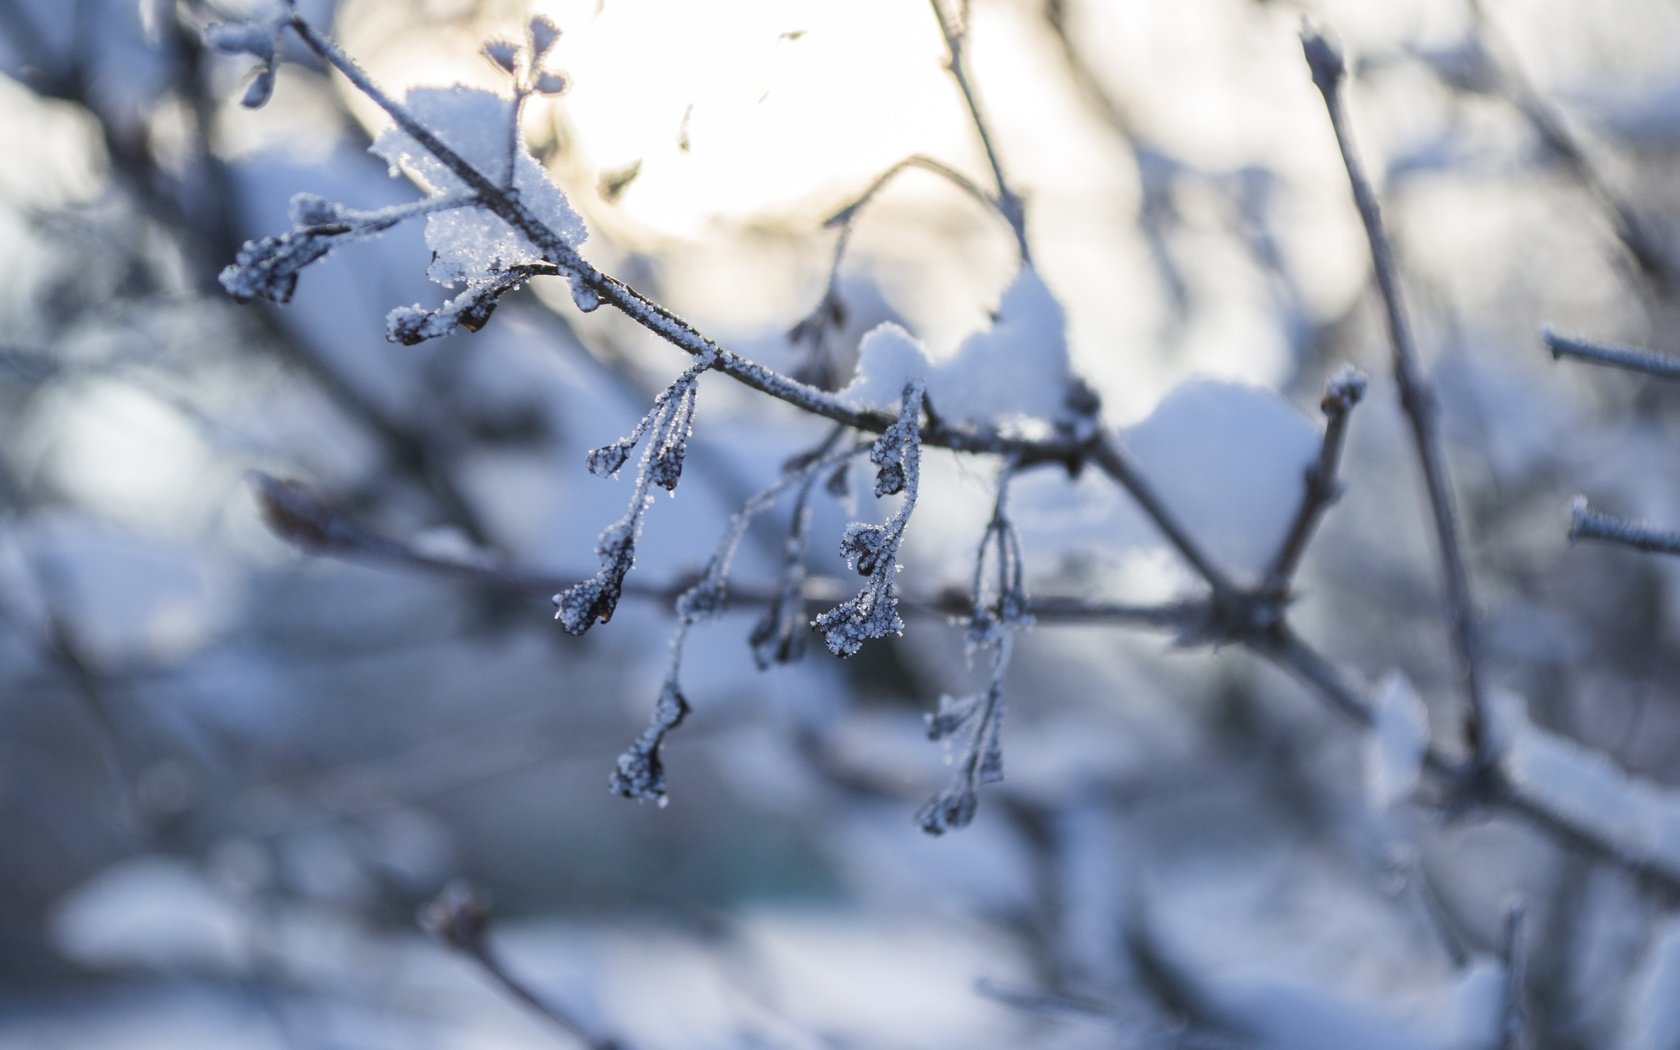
(459, 919)
(1417, 399)
(1628, 358)
(1588, 524)
(1322, 489)
(1008, 202)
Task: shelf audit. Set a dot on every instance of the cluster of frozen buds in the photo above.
(494, 221)
(998, 608)
(871, 550)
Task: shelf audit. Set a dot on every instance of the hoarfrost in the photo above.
(1395, 744)
(473, 246)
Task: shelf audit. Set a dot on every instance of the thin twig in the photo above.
(1586, 523)
(830, 309)
(846, 213)
(1629, 358)
(304, 518)
(1008, 202)
(1322, 488)
(459, 918)
(1111, 457)
(1417, 399)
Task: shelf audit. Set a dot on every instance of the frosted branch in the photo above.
(641, 773)
(1585, 523)
(998, 610)
(872, 550)
(667, 426)
(1322, 489)
(1628, 358)
(268, 268)
(1417, 399)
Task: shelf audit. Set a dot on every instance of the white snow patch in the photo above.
(1011, 374)
(1230, 461)
(1395, 744)
(888, 359)
(151, 912)
(1587, 789)
(124, 598)
(1014, 371)
(471, 244)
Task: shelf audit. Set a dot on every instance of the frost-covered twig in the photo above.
(1630, 358)
(1417, 399)
(640, 773)
(872, 550)
(459, 919)
(666, 428)
(1322, 488)
(998, 610)
(1585, 523)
